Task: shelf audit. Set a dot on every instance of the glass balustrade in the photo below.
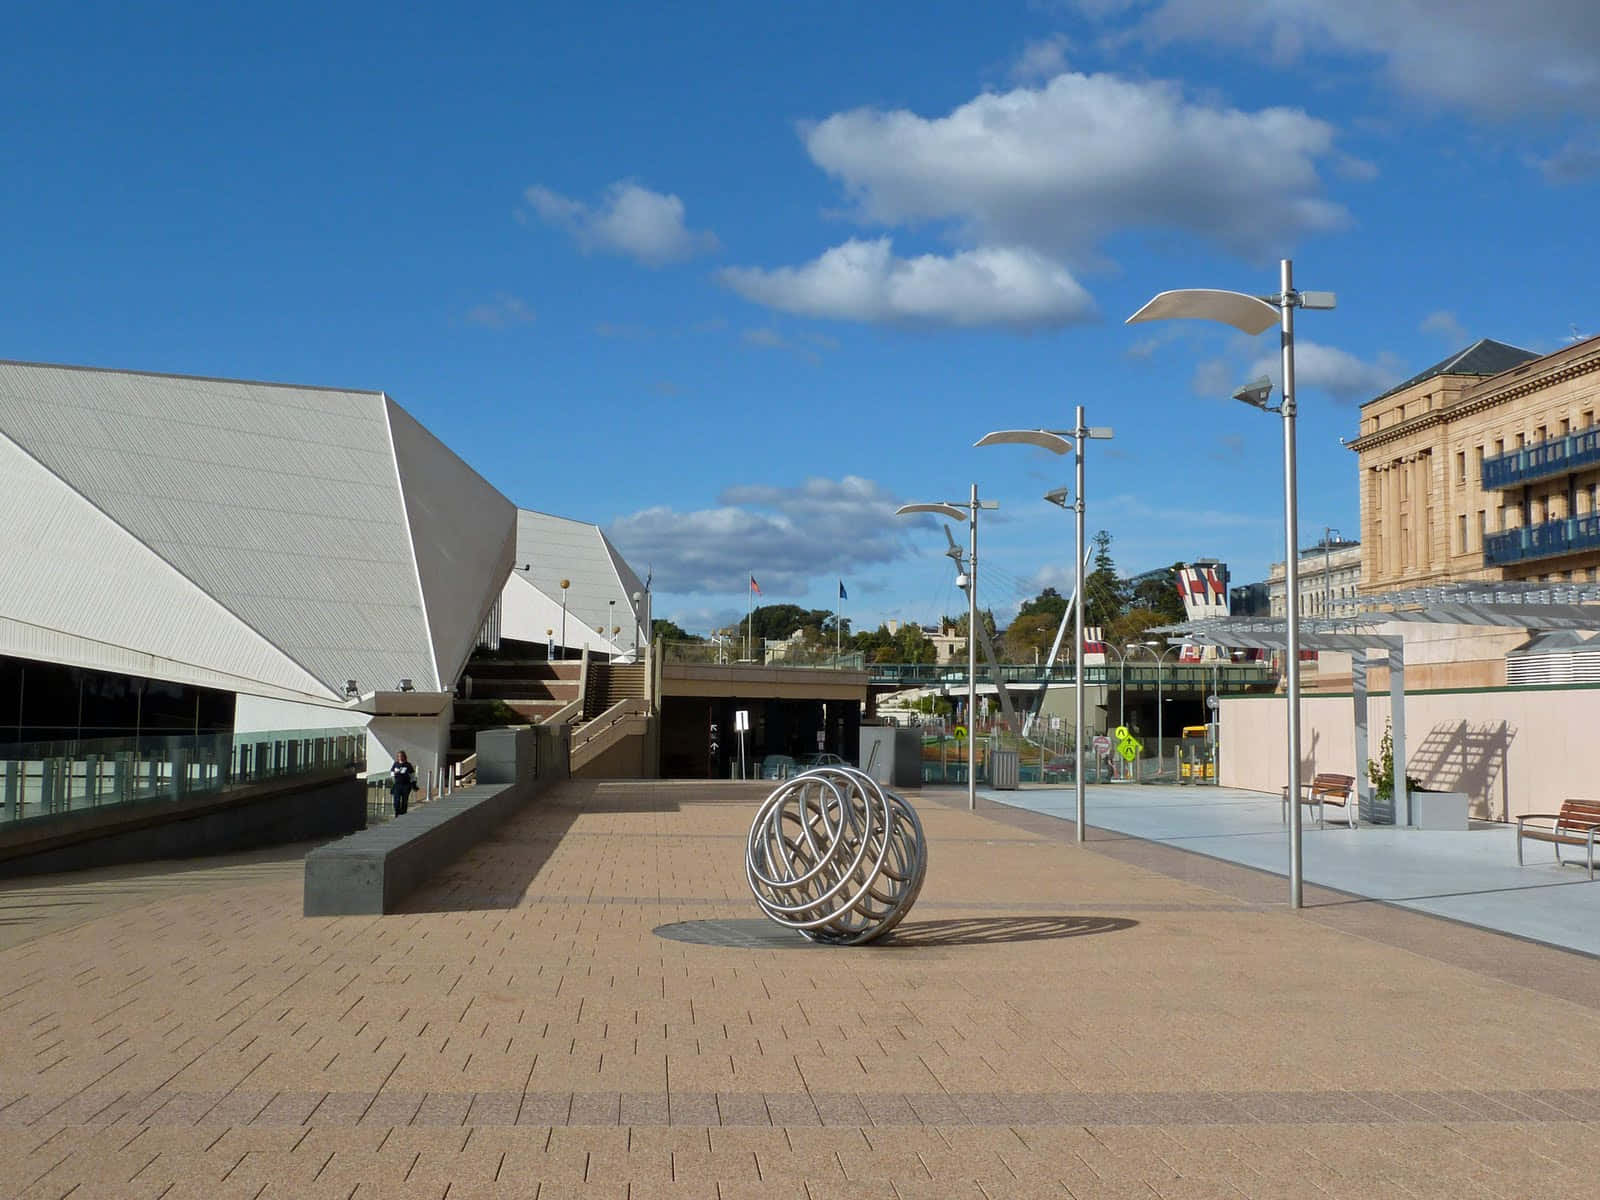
(51, 780)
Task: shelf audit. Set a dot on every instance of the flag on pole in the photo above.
(843, 595)
(754, 586)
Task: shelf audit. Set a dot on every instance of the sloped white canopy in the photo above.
(260, 538)
(555, 548)
(529, 615)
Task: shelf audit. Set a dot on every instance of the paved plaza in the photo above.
(1467, 875)
(1122, 1019)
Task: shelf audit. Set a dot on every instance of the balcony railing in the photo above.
(45, 780)
(1558, 456)
(1568, 536)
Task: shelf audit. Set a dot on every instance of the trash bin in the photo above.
(1003, 769)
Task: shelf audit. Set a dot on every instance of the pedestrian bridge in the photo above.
(1199, 678)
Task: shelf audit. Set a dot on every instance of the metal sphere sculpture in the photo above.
(835, 857)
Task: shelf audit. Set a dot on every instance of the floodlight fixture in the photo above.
(1058, 496)
(1257, 394)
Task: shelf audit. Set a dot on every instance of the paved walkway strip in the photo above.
(1123, 1019)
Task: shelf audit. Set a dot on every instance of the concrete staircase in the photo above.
(617, 736)
(534, 689)
(612, 683)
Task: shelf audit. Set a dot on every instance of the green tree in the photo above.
(908, 644)
(1134, 625)
(1161, 596)
(1031, 636)
(671, 631)
(958, 625)
(1102, 590)
(1049, 602)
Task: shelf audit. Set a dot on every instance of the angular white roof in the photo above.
(262, 538)
(556, 548)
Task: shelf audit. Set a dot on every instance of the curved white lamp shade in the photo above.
(944, 510)
(1041, 438)
(1248, 314)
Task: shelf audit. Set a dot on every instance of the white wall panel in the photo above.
(78, 589)
(526, 613)
(463, 532)
(559, 548)
(280, 502)
(254, 714)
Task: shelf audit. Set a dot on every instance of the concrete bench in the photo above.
(372, 872)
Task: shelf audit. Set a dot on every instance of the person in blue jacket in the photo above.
(402, 780)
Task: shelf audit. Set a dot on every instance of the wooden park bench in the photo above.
(1327, 788)
(1577, 824)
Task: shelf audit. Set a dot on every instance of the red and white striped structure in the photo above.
(1204, 588)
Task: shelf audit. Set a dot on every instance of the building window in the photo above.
(1588, 418)
(1483, 526)
(1461, 533)
(1566, 427)
(1539, 434)
(1499, 446)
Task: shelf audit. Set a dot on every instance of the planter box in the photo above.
(1439, 810)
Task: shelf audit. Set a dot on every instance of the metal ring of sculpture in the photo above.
(835, 857)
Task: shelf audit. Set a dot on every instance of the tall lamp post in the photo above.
(968, 511)
(1151, 648)
(565, 584)
(1122, 692)
(1254, 315)
(1328, 533)
(1059, 442)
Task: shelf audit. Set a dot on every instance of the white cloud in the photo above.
(1337, 372)
(1059, 167)
(866, 281)
(1215, 377)
(1578, 159)
(630, 220)
(502, 312)
(1445, 324)
(1042, 58)
(789, 537)
(1487, 56)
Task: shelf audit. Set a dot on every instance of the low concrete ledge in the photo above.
(372, 872)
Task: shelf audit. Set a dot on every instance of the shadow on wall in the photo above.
(1308, 756)
(1458, 756)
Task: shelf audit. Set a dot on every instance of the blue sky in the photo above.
(734, 279)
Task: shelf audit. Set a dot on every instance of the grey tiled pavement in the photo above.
(1120, 1019)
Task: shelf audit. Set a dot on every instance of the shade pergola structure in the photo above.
(1534, 607)
(1354, 636)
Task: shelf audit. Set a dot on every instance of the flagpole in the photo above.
(838, 626)
(750, 615)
